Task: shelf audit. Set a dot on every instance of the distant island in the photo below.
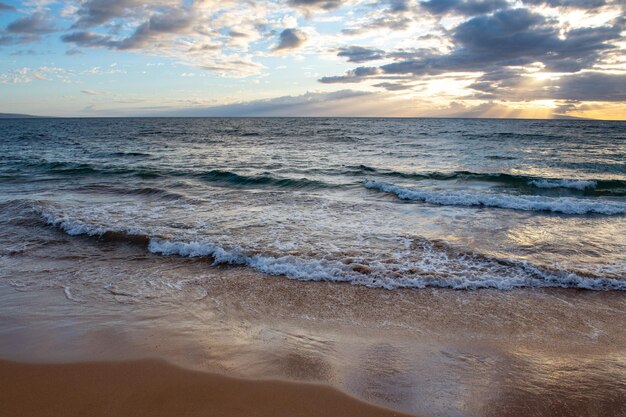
(18, 116)
(252, 115)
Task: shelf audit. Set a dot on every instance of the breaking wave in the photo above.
(566, 205)
(574, 184)
(593, 186)
(429, 264)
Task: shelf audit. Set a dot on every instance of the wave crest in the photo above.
(566, 205)
(430, 264)
(591, 186)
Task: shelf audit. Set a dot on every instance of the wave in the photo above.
(434, 264)
(565, 205)
(592, 186)
(574, 184)
(75, 168)
(233, 178)
(130, 190)
(75, 227)
(213, 176)
(129, 154)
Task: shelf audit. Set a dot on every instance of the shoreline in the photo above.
(423, 352)
(156, 388)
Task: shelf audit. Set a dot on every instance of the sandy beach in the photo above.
(430, 268)
(157, 389)
(296, 349)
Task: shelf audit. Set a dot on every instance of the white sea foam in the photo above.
(574, 184)
(423, 266)
(567, 205)
(72, 227)
(70, 296)
(495, 273)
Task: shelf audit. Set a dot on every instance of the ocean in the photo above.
(392, 203)
(442, 267)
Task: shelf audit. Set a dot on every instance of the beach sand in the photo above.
(154, 388)
(157, 342)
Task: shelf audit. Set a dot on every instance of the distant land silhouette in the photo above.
(17, 116)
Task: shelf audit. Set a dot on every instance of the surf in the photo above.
(565, 205)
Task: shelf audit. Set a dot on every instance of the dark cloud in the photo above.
(173, 21)
(396, 6)
(353, 76)
(583, 86)
(236, 34)
(316, 4)
(88, 39)
(97, 12)
(514, 37)
(582, 4)
(6, 7)
(592, 86)
(498, 83)
(464, 7)
(35, 24)
(393, 86)
(290, 39)
(499, 46)
(360, 54)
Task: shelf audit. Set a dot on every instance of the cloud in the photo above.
(6, 7)
(592, 86)
(214, 36)
(392, 22)
(290, 39)
(35, 24)
(583, 86)
(514, 37)
(23, 52)
(397, 6)
(463, 7)
(27, 75)
(393, 86)
(27, 29)
(11, 40)
(172, 21)
(360, 54)
(308, 104)
(96, 12)
(461, 50)
(583, 4)
(88, 39)
(353, 76)
(316, 4)
(89, 92)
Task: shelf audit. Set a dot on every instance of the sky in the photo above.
(388, 58)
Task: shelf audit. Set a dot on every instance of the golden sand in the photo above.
(154, 388)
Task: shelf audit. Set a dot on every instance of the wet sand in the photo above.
(157, 389)
(424, 352)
